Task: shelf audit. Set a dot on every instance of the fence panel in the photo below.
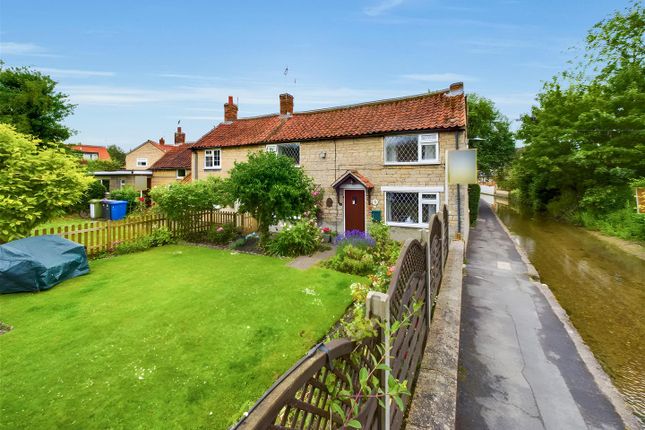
(102, 236)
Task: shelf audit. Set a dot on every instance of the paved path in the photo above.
(519, 368)
(306, 261)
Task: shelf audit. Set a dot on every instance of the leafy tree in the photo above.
(494, 140)
(29, 101)
(36, 184)
(117, 155)
(178, 199)
(585, 141)
(271, 188)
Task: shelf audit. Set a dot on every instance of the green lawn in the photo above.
(174, 337)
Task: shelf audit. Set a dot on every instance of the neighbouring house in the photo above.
(137, 171)
(92, 152)
(174, 165)
(383, 159)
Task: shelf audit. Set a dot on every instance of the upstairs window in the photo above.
(412, 149)
(142, 162)
(213, 159)
(291, 150)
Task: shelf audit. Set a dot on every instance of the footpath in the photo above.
(519, 364)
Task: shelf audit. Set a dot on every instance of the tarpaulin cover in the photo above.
(38, 263)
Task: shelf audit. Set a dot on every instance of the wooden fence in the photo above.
(103, 236)
(302, 397)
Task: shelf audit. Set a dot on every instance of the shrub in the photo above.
(223, 234)
(352, 259)
(385, 250)
(237, 243)
(356, 238)
(159, 237)
(127, 193)
(176, 200)
(96, 190)
(474, 192)
(301, 238)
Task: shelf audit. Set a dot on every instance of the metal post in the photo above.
(378, 305)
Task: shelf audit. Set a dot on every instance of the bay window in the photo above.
(412, 149)
(213, 159)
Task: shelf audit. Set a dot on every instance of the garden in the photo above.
(176, 336)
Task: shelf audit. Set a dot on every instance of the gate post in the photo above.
(378, 305)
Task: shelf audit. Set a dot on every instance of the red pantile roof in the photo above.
(177, 157)
(93, 149)
(430, 111)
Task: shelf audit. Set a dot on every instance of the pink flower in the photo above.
(220, 229)
(315, 193)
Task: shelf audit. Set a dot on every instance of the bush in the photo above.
(223, 234)
(127, 193)
(385, 251)
(356, 238)
(301, 238)
(159, 237)
(176, 200)
(474, 191)
(237, 243)
(624, 223)
(96, 190)
(352, 259)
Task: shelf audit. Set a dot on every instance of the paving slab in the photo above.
(518, 365)
(306, 261)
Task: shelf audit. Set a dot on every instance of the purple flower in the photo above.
(356, 238)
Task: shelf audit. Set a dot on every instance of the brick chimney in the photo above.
(180, 137)
(162, 141)
(286, 104)
(456, 89)
(230, 110)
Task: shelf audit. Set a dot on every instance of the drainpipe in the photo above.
(458, 190)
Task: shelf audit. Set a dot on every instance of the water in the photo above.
(601, 287)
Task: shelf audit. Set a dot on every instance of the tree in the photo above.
(271, 188)
(102, 165)
(585, 140)
(494, 140)
(29, 101)
(36, 184)
(117, 155)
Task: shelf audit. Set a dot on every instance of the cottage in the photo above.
(92, 152)
(384, 159)
(175, 164)
(137, 173)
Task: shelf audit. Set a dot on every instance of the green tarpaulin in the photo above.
(39, 263)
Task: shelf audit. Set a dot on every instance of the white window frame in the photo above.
(425, 139)
(181, 177)
(420, 202)
(275, 148)
(142, 162)
(122, 183)
(211, 153)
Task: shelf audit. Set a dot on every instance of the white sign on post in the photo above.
(462, 166)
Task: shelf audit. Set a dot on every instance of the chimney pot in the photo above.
(456, 89)
(180, 138)
(286, 104)
(230, 110)
(162, 141)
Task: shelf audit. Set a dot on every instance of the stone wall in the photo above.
(165, 177)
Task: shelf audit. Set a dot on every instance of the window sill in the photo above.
(413, 163)
(406, 224)
(212, 168)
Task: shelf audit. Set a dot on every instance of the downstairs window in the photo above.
(410, 209)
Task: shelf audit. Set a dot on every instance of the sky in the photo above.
(136, 68)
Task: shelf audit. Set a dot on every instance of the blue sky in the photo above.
(135, 68)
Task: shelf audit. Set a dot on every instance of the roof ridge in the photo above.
(349, 106)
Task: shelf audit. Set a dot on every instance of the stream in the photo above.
(600, 286)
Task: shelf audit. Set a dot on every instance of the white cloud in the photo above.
(439, 77)
(31, 49)
(73, 73)
(381, 7)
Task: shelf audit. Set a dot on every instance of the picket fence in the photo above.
(103, 236)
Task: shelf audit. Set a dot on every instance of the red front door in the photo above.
(354, 210)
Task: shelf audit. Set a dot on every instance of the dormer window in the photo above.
(412, 149)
